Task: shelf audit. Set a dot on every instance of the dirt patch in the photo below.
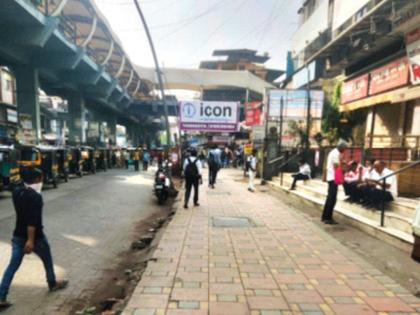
(113, 289)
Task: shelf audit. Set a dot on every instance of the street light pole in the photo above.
(159, 75)
(308, 115)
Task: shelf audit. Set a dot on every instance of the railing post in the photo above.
(383, 203)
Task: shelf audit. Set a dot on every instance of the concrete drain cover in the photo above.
(239, 222)
(218, 193)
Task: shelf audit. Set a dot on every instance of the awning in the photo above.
(395, 96)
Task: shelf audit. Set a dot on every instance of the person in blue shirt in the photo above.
(214, 161)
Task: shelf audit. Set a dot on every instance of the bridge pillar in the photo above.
(27, 83)
(112, 123)
(77, 119)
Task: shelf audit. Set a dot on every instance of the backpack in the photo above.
(191, 170)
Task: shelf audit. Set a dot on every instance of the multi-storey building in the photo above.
(373, 47)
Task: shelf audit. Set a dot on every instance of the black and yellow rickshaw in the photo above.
(75, 161)
(63, 159)
(89, 161)
(44, 158)
(9, 168)
(101, 159)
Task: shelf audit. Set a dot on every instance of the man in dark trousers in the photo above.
(214, 161)
(192, 172)
(28, 235)
(334, 162)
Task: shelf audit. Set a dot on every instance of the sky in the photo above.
(186, 32)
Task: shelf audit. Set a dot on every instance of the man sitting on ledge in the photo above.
(373, 192)
(352, 178)
(304, 173)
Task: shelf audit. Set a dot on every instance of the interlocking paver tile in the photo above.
(284, 266)
(384, 304)
(267, 303)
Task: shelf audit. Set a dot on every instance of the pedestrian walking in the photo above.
(334, 162)
(214, 162)
(251, 165)
(193, 177)
(146, 160)
(28, 235)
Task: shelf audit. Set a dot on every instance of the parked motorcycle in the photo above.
(162, 184)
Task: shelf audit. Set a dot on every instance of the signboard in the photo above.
(295, 103)
(12, 116)
(248, 149)
(305, 75)
(209, 116)
(355, 89)
(253, 113)
(412, 41)
(388, 77)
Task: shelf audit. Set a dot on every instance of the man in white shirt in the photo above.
(374, 194)
(192, 169)
(304, 173)
(252, 169)
(334, 161)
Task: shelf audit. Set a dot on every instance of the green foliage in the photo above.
(336, 125)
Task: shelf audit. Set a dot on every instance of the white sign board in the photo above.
(209, 116)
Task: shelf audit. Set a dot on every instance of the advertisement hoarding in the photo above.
(295, 103)
(412, 40)
(253, 113)
(209, 116)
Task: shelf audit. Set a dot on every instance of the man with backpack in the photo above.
(192, 173)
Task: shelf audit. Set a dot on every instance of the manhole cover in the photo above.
(239, 222)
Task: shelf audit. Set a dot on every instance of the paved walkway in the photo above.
(282, 265)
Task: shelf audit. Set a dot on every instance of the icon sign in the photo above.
(189, 110)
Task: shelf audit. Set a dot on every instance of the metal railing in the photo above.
(383, 180)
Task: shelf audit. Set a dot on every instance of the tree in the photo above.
(336, 125)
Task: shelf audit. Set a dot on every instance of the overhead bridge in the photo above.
(67, 48)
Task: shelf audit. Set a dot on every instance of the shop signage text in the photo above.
(209, 116)
(355, 89)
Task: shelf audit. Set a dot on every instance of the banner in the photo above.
(295, 104)
(388, 77)
(413, 51)
(355, 89)
(209, 116)
(253, 113)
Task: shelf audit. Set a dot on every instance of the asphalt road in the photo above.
(88, 221)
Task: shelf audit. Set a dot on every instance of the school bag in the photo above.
(191, 170)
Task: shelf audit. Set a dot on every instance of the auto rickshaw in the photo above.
(75, 161)
(9, 168)
(63, 159)
(88, 157)
(44, 158)
(101, 159)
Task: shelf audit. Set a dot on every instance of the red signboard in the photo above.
(253, 114)
(390, 76)
(355, 89)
